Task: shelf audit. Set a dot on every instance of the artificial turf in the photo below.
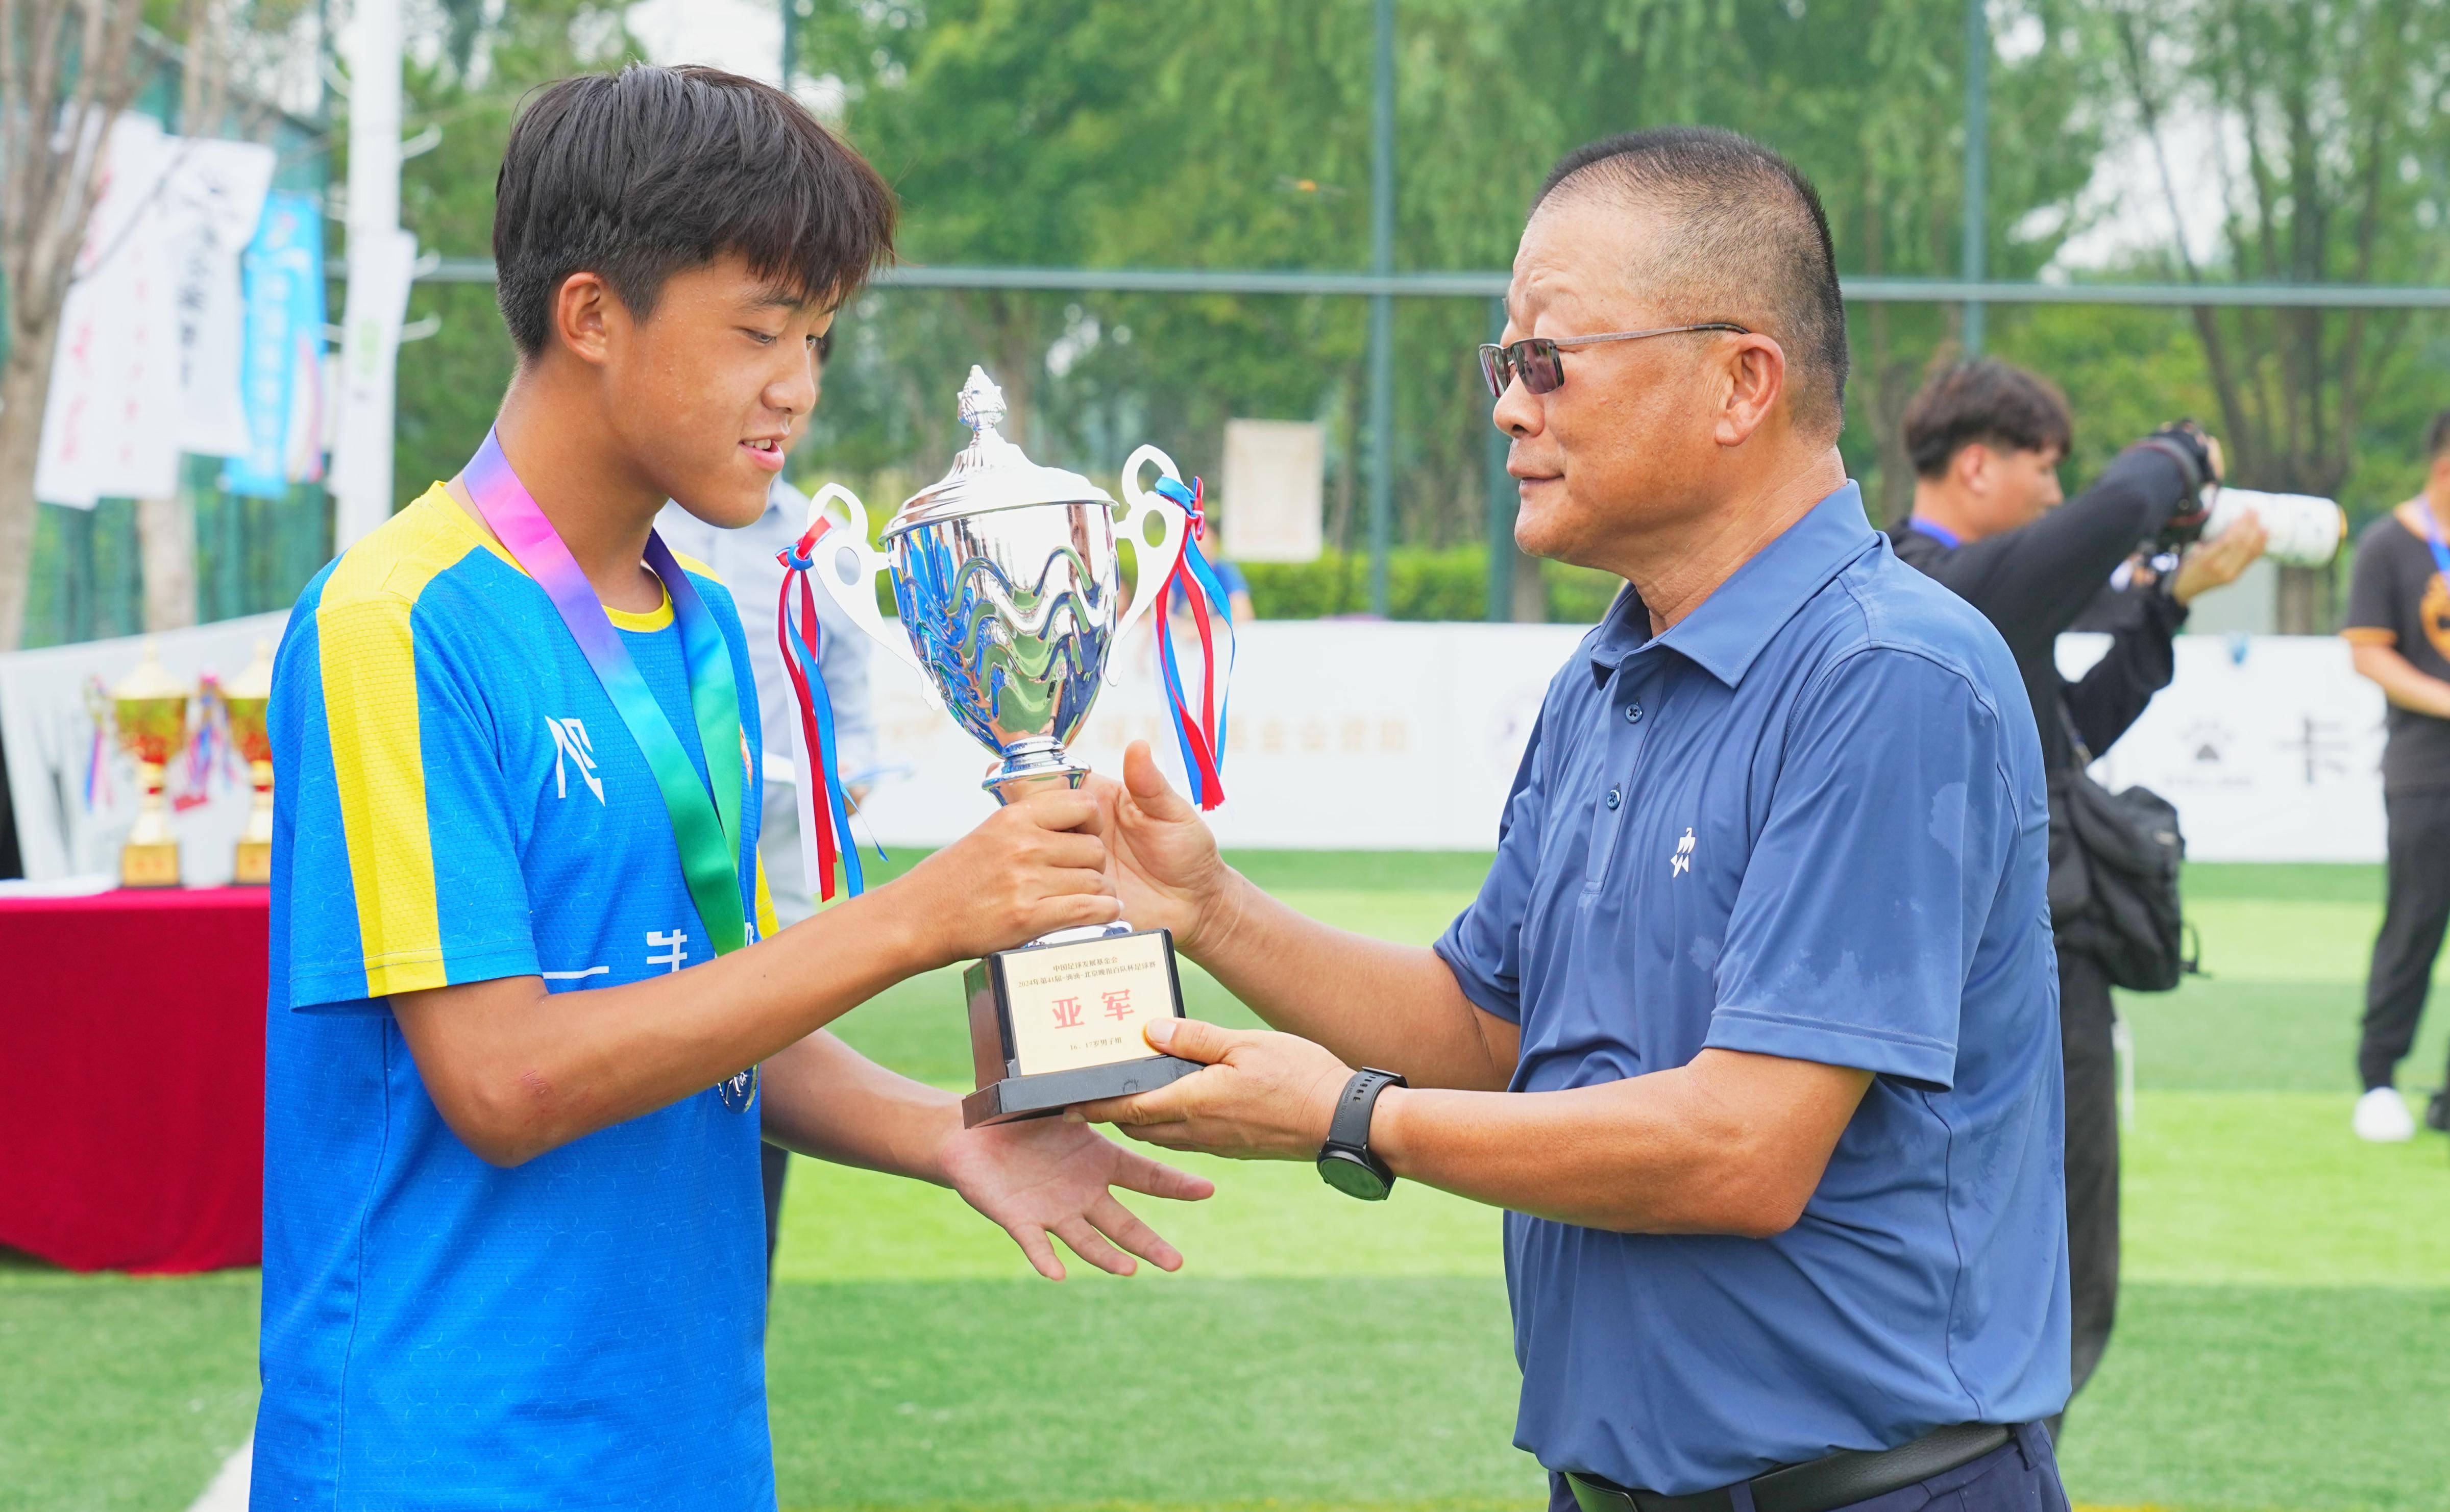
(2276, 1347)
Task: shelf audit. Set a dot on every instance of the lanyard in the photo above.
(2433, 539)
(706, 830)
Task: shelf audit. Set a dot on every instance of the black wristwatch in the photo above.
(1345, 1161)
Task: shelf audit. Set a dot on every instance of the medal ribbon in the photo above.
(706, 829)
(826, 808)
(1201, 738)
(2433, 539)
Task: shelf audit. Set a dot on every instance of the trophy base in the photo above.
(150, 864)
(254, 867)
(1049, 1093)
(1061, 1020)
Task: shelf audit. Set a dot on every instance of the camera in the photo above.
(2304, 531)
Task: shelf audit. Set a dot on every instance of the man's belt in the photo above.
(1819, 1486)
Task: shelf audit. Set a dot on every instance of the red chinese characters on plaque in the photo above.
(1085, 1005)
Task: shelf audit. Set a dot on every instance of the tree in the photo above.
(67, 68)
(2332, 164)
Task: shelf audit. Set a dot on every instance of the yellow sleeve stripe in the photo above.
(2369, 635)
(367, 651)
(766, 924)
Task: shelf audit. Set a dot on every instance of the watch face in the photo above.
(1350, 1176)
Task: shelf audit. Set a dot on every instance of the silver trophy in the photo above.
(1006, 577)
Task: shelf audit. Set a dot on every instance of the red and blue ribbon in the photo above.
(826, 807)
(1200, 736)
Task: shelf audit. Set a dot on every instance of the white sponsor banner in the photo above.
(1344, 735)
(1350, 735)
(2269, 745)
(111, 417)
(47, 726)
(1357, 735)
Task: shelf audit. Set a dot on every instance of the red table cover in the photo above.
(131, 1078)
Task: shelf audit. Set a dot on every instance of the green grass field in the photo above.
(2278, 1343)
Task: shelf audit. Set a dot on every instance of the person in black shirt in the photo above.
(2398, 627)
(1985, 440)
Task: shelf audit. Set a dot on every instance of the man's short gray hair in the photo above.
(1746, 241)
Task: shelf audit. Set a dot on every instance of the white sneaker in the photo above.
(2382, 1118)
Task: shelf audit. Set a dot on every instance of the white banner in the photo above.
(47, 726)
(1343, 734)
(1365, 736)
(2270, 746)
(211, 201)
(111, 418)
(1357, 735)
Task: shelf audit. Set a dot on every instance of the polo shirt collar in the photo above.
(1728, 629)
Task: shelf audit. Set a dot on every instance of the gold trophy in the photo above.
(245, 697)
(148, 709)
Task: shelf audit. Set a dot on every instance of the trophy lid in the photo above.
(150, 679)
(256, 681)
(991, 473)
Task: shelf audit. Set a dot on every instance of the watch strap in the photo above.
(1350, 1128)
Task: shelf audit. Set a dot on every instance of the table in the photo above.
(131, 1078)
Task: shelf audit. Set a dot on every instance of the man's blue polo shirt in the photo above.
(1808, 821)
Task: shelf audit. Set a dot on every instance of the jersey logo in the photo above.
(570, 746)
(675, 945)
(1681, 861)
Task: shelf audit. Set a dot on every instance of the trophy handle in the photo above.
(1156, 562)
(856, 596)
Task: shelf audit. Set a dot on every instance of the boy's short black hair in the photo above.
(1746, 241)
(2437, 437)
(637, 175)
(1993, 403)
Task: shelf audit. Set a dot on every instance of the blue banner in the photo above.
(280, 371)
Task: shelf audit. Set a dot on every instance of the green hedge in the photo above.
(1422, 584)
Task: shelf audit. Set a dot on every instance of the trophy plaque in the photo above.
(148, 711)
(1006, 579)
(247, 698)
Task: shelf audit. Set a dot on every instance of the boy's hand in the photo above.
(1034, 866)
(1166, 865)
(1044, 1176)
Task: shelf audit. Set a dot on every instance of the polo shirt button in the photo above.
(1616, 796)
(1633, 713)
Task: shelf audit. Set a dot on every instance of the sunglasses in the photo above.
(1539, 362)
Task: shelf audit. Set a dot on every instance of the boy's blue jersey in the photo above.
(455, 800)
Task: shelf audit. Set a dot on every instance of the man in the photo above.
(510, 1143)
(2399, 632)
(1750, 1027)
(745, 561)
(1987, 439)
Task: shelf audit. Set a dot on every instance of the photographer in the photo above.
(1985, 440)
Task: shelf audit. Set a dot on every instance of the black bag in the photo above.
(2113, 889)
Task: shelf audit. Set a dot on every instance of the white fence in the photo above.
(1349, 735)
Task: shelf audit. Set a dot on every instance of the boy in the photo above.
(2399, 635)
(511, 1209)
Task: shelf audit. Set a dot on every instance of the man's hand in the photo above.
(1166, 866)
(1263, 1096)
(1049, 1177)
(2217, 562)
(1032, 867)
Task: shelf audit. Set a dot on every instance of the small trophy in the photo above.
(246, 697)
(1006, 578)
(148, 709)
